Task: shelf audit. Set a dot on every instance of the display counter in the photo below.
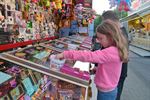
(22, 82)
(67, 76)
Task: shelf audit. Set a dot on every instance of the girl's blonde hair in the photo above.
(111, 29)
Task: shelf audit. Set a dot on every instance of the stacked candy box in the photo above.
(77, 38)
(84, 45)
(56, 45)
(75, 72)
(65, 94)
(14, 70)
(72, 45)
(83, 48)
(88, 40)
(67, 40)
(36, 54)
(56, 64)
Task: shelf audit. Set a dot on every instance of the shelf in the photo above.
(14, 45)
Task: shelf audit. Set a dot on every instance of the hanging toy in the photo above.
(124, 5)
(34, 1)
(94, 16)
(59, 11)
(48, 3)
(63, 11)
(113, 3)
(27, 6)
(53, 5)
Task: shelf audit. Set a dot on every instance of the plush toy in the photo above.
(53, 5)
(39, 18)
(1, 17)
(19, 20)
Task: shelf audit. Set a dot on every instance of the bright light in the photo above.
(101, 5)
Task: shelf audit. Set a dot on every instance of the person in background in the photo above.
(130, 36)
(109, 59)
(65, 29)
(74, 28)
(113, 16)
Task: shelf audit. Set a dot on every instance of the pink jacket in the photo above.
(109, 65)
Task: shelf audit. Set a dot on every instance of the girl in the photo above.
(109, 59)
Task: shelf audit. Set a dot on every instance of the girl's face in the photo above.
(104, 40)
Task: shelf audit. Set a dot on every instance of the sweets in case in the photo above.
(75, 72)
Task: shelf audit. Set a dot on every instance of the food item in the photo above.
(20, 54)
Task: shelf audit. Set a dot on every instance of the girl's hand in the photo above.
(60, 56)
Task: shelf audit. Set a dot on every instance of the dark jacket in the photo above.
(124, 65)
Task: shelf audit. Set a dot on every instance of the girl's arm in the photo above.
(99, 56)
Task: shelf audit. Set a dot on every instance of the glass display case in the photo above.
(55, 45)
(23, 83)
(69, 43)
(37, 58)
(61, 44)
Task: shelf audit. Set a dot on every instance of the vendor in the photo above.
(65, 30)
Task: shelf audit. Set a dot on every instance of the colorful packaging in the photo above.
(75, 72)
(56, 64)
(65, 95)
(28, 86)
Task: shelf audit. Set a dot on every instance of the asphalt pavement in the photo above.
(137, 83)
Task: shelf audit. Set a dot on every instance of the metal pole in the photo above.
(86, 93)
(5, 28)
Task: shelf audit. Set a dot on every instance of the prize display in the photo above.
(35, 85)
(34, 72)
(37, 54)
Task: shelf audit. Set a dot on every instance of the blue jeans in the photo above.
(111, 95)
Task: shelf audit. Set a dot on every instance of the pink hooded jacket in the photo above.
(109, 65)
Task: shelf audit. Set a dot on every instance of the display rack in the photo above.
(45, 70)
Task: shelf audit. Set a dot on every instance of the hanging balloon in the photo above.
(124, 5)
